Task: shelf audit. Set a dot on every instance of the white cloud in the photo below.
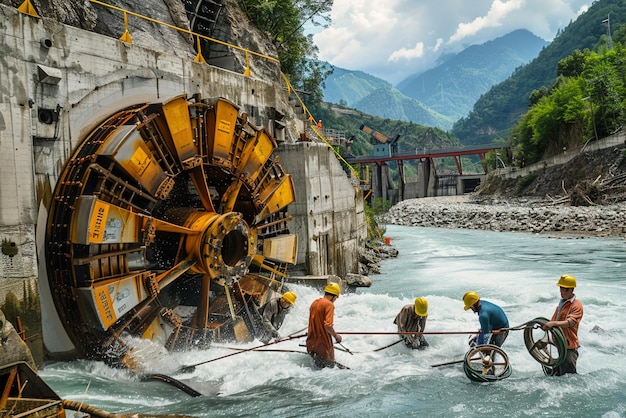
(408, 54)
(498, 11)
(438, 45)
(396, 38)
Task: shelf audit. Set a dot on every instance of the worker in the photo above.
(412, 318)
(493, 321)
(319, 342)
(273, 314)
(319, 124)
(567, 315)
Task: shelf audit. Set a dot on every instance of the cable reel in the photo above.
(486, 363)
(549, 347)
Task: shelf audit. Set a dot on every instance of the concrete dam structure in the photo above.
(149, 195)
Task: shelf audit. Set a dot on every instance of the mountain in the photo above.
(502, 106)
(453, 87)
(389, 103)
(441, 95)
(378, 97)
(348, 87)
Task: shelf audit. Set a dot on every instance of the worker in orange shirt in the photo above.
(319, 342)
(567, 316)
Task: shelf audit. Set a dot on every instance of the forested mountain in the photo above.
(501, 107)
(412, 136)
(465, 77)
(453, 87)
(375, 96)
(391, 104)
(347, 87)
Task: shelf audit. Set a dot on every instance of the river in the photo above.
(518, 271)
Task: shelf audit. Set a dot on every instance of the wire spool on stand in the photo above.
(549, 347)
(486, 363)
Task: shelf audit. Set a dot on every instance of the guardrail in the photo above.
(126, 37)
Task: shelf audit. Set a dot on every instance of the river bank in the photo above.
(510, 214)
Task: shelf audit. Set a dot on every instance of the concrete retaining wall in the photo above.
(328, 213)
(608, 142)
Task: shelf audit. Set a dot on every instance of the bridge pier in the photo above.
(428, 183)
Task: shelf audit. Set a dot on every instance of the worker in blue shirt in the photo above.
(491, 317)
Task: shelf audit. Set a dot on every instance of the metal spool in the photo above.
(486, 363)
(166, 222)
(549, 347)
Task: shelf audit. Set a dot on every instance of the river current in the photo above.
(517, 271)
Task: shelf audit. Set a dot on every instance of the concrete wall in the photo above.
(58, 82)
(328, 213)
(608, 142)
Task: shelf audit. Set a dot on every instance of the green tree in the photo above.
(604, 80)
(379, 207)
(543, 126)
(573, 65)
(284, 21)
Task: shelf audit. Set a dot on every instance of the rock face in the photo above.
(513, 214)
(230, 26)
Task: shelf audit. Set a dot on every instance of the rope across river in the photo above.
(190, 368)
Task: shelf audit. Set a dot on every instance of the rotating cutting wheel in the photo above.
(486, 363)
(549, 347)
(166, 222)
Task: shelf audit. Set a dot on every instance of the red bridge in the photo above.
(428, 182)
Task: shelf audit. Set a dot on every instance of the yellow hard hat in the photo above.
(470, 298)
(567, 281)
(290, 297)
(421, 307)
(332, 288)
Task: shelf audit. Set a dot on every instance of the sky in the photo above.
(393, 39)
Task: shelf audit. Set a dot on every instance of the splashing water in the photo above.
(517, 271)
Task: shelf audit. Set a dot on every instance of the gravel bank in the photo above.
(521, 215)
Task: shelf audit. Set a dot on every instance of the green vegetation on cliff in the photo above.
(499, 109)
(585, 103)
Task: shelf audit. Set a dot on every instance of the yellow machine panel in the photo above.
(281, 248)
(109, 300)
(98, 222)
(256, 153)
(176, 114)
(225, 122)
(127, 147)
(155, 332)
(277, 197)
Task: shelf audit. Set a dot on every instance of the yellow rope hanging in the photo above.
(27, 8)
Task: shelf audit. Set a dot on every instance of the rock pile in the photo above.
(372, 254)
(523, 215)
